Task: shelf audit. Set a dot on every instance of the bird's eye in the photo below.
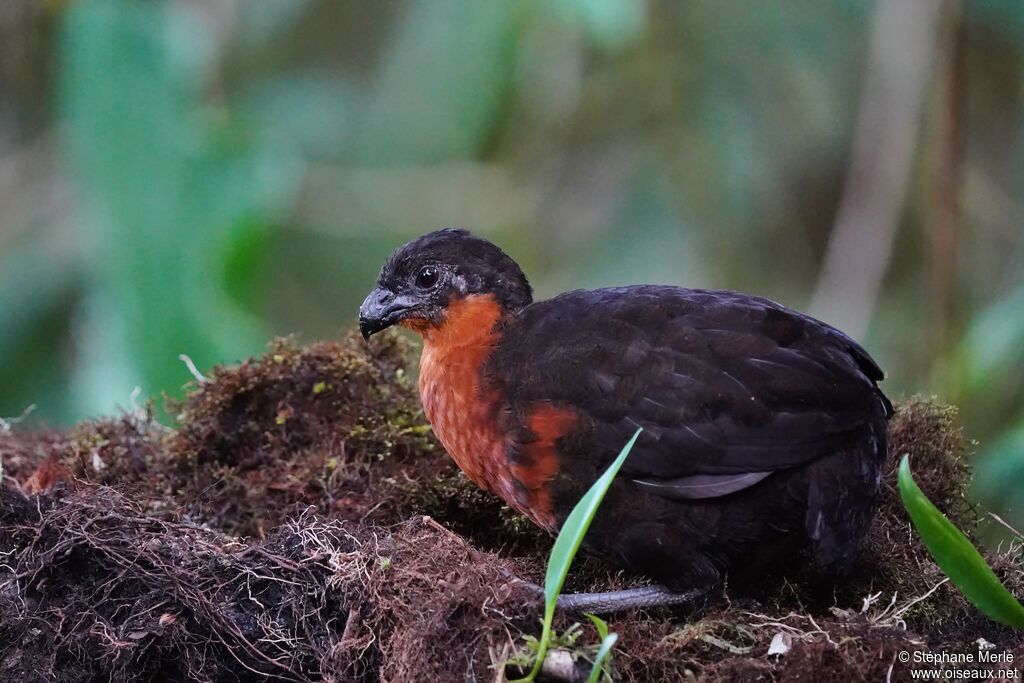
(427, 277)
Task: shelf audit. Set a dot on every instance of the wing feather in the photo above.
(723, 384)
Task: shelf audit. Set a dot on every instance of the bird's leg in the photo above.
(631, 598)
(619, 601)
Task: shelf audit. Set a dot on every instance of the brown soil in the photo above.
(302, 524)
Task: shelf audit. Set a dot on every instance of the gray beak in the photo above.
(382, 309)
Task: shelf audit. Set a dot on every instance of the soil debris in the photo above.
(301, 523)
(94, 588)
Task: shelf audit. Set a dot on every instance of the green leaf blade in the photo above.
(957, 556)
(600, 624)
(603, 653)
(568, 543)
(576, 525)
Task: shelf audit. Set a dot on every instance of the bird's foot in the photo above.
(631, 598)
(619, 601)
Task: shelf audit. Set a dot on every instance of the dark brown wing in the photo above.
(727, 387)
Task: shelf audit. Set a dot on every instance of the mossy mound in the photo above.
(106, 591)
(333, 425)
(286, 530)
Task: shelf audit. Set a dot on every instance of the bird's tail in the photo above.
(841, 501)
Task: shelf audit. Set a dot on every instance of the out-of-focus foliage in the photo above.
(194, 177)
(180, 196)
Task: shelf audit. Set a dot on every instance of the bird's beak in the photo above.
(382, 309)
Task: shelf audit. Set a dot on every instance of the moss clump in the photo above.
(894, 561)
(330, 425)
(350, 400)
(928, 432)
(319, 425)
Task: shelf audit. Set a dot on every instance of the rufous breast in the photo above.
(463, 412)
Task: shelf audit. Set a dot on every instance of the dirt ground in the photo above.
(302, 524)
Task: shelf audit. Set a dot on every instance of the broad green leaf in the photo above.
(957, 556)
(568, 543)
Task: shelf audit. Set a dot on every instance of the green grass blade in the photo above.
(600, 624)
(576, 525)
(603, 653)
(568, 543)
(957, 556)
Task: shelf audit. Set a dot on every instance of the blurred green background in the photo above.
(195, 177)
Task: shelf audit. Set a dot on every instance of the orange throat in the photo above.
(465, 414)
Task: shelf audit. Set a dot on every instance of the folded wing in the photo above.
(728, 388)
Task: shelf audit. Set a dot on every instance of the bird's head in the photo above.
(425, 278)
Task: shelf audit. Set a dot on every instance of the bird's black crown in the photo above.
(424, 275)
(474, 266)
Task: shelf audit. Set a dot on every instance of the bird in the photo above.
(763, 429)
